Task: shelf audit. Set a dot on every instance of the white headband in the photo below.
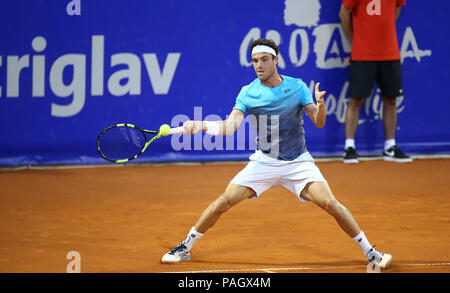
(265, 49)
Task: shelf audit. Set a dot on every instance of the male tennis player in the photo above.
(282, 159)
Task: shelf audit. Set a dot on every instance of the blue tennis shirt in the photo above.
(277, 115)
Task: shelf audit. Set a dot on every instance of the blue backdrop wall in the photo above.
(64, 77)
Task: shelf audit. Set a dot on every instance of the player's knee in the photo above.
(332, 206)
(232, 195)
(222, 204)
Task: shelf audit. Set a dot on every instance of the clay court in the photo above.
(123, 219)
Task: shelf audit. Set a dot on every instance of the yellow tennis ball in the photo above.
(164, 130)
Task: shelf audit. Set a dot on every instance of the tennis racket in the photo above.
(124, 142)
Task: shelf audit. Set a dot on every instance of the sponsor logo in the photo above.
(68, 74)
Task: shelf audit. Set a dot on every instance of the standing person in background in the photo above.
(375, 57)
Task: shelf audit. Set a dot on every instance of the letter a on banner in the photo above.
(74, 7)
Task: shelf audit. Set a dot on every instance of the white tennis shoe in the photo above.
(177, 254)
(380, 259)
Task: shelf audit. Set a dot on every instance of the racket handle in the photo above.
(177, 130)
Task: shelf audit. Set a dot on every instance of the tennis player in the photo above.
(281, 159)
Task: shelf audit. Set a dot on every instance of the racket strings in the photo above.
(120, 143)
(134, 137)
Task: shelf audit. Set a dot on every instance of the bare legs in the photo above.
(352, 116)
(320, 194)
(317, 192)
(389, 117)
(233, 194)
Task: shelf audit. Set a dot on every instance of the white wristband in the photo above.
(212, 127)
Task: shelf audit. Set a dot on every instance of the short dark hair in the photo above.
(266, 42)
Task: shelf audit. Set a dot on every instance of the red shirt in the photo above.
(374, 31)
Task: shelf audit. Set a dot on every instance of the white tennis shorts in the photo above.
(263, 172)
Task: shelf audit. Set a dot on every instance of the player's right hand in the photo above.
(192, 127)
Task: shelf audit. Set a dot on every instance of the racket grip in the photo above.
(177, 130)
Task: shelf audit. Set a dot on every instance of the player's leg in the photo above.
(250, 182)
(320, 194)
(362, 78)
(233, 194)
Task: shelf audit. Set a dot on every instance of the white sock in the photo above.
(389, 143)
(191, 238)
(362, 241)
(350, 143)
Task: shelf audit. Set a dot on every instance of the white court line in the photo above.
(267, 271)
(429, 264)
(195, 163)
(272, 270)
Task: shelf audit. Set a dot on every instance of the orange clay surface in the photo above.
(123, 219)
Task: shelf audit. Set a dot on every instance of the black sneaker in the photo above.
(350, 156)
(394, 154)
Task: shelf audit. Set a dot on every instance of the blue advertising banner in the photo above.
(68, 69)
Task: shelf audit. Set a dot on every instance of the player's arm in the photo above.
(344, 15)
(317, 112)
(223, 127)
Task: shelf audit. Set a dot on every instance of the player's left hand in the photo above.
(319, 95)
